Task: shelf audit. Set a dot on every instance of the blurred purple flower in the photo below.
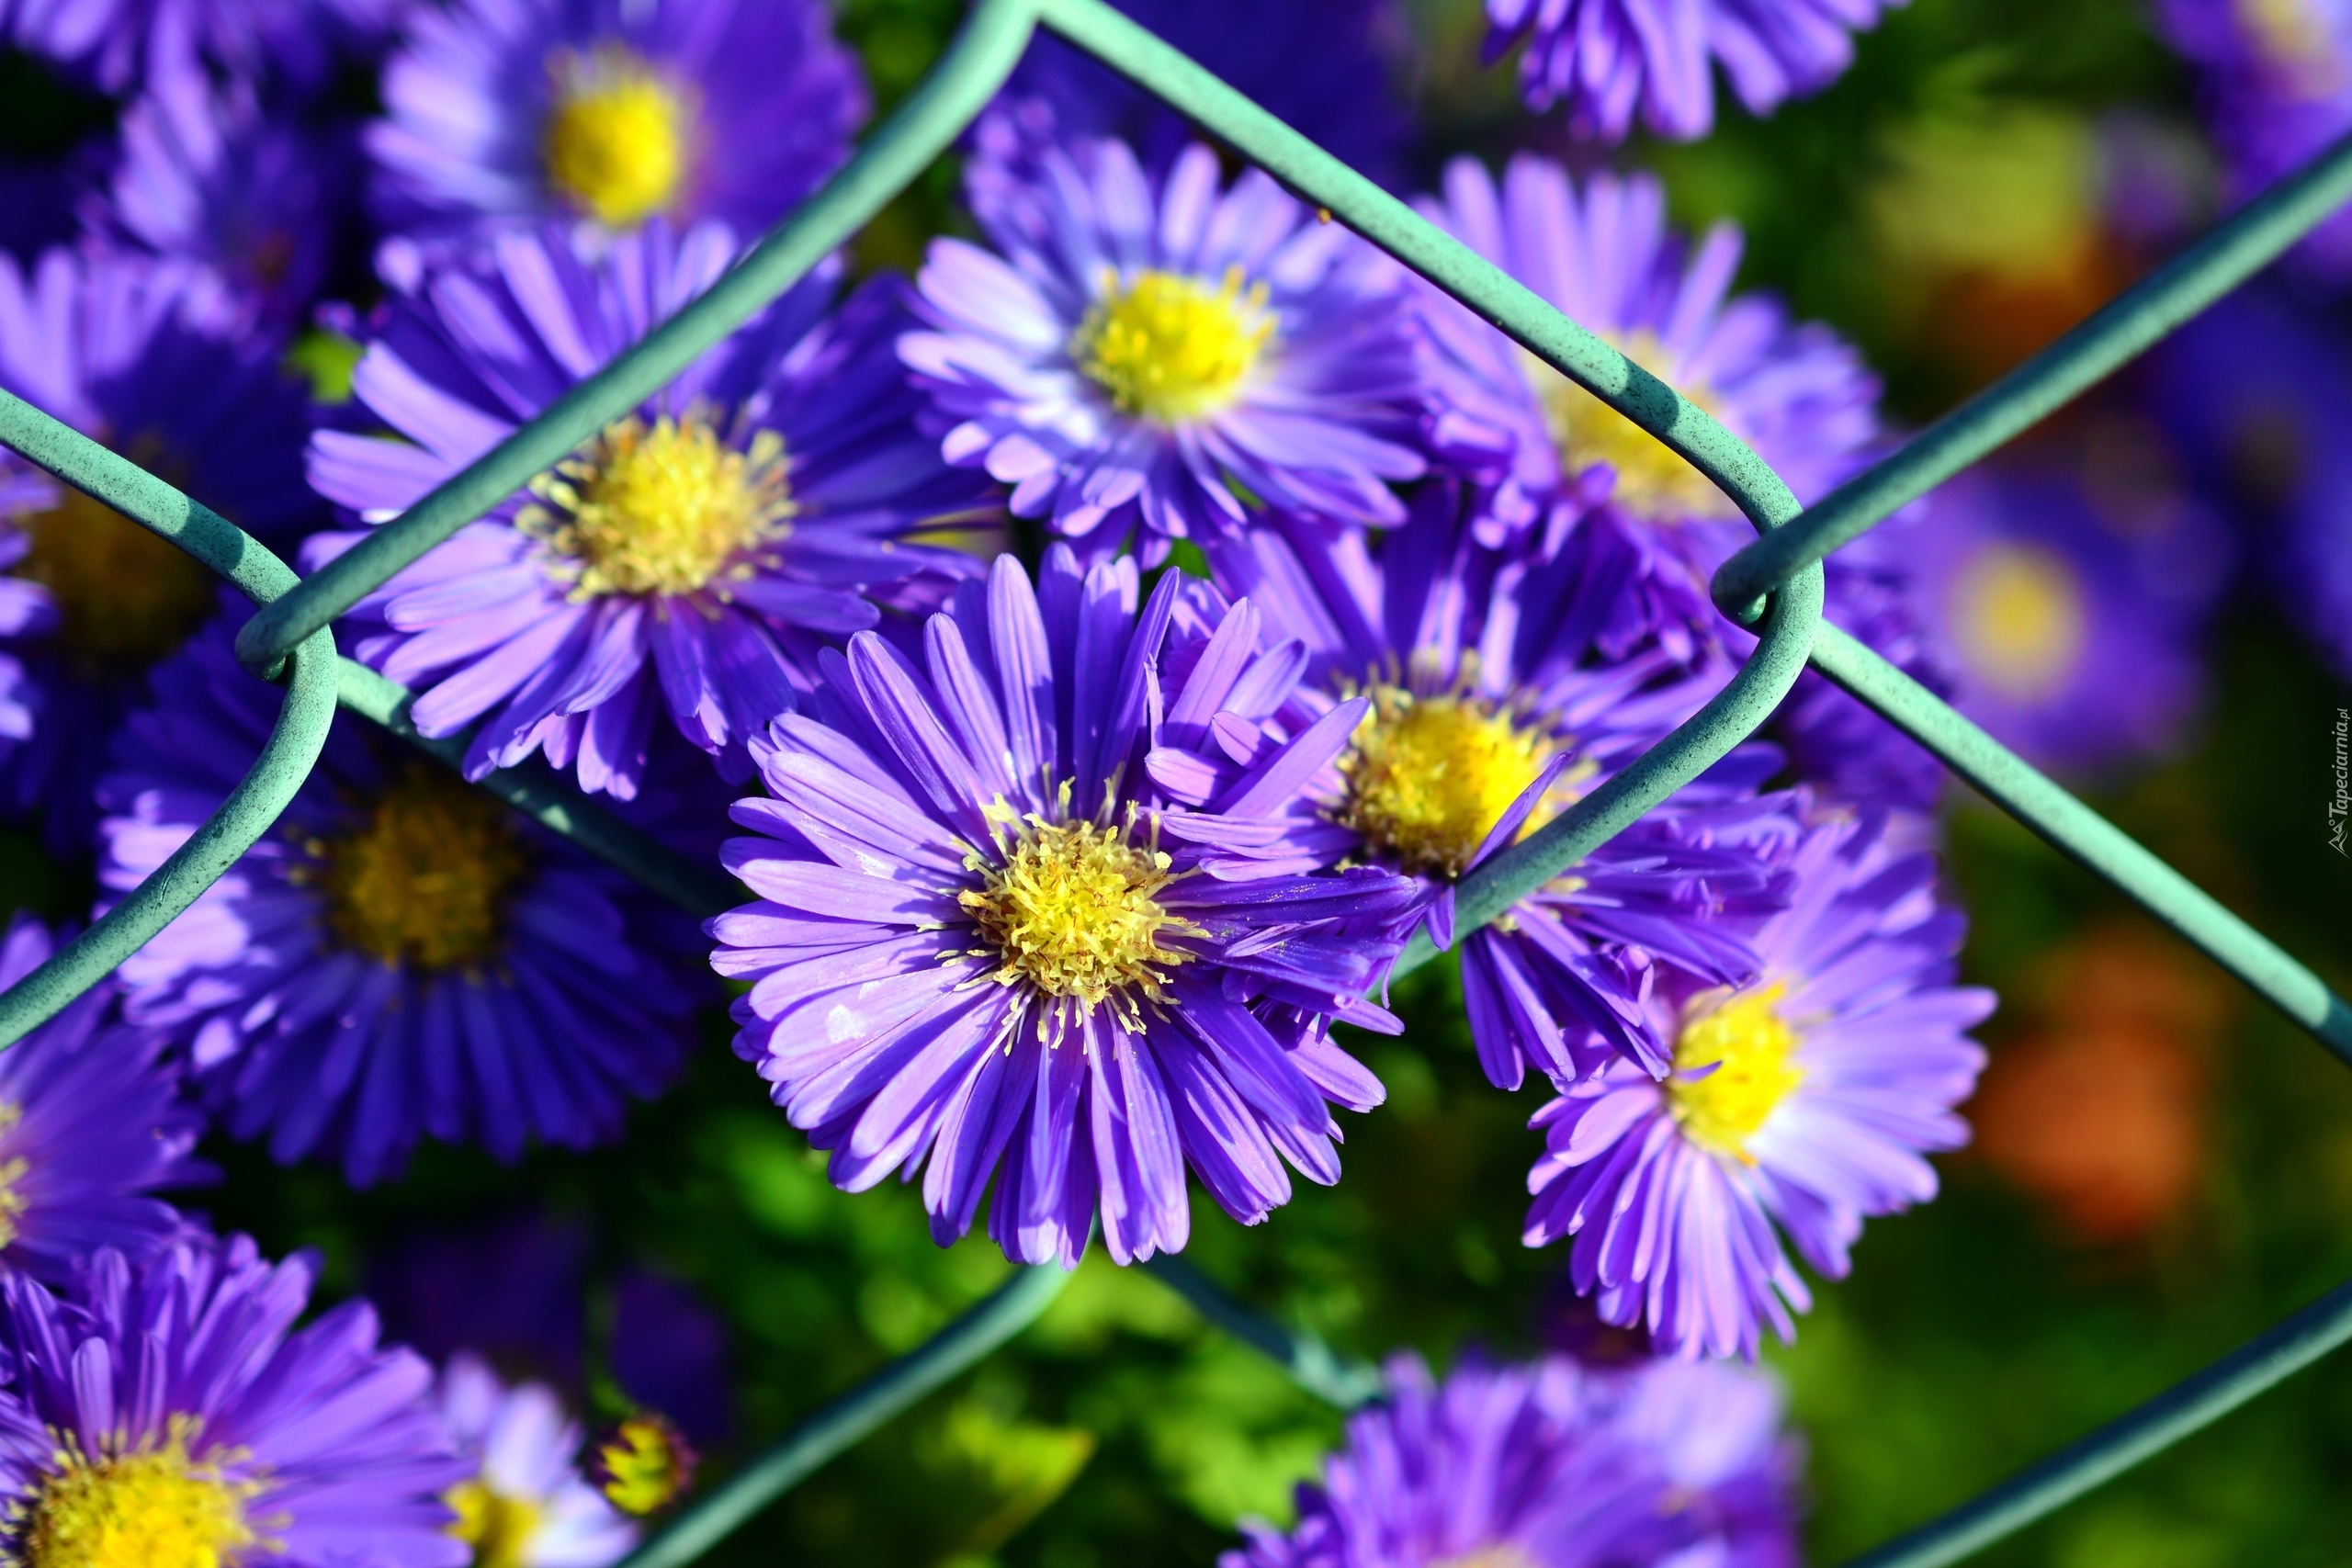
(611, 110)
(91, 1123)
(1326, 68)
(2256, 395)
(206, 174)
(174, 1406)
(1160, 357)
(1800, 1102)
(1487, 716)
(126, 45)
(512, 1293)
(2277, 88)
(1020, 958)
(2069, 594)
(403, 955)
(692, 556)
(1548, 1465)
(153, 357)
(1610, 60)
(669, 1354)
(525, 1504)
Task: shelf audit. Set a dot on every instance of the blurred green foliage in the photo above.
(1973, 1337)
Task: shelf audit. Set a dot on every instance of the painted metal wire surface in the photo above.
(1773, 586)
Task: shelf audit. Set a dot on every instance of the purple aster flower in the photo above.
(1799, 1103)
(1553, 462)
(1158, 355)
(2070, 594)
(2253, 395)
(169, 1411)
(121, 44)
(150, 357)
(37, 197)
(1024, 966)
(1610, 60)
(1485, 714)
(91, 1122)
(401, 955)
(2277, 88)
(206, 174)
(611, 110)
(1548, 1465)
(527, 1504)
(1326, 68)
(694, 555)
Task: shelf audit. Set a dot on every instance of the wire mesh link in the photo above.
(1782, 569)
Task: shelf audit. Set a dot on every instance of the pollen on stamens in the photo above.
(499, 1526)
(1071, 909)
(154, 1507)
(426, 878)
(1430, 776)
(1171, 348)
(1653, 483)
(669, 508)
(1750, 1047)
(124, 595)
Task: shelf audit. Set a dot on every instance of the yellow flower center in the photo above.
(124, 596)
(499, 1528)
(618, 142)
(1429, 777)
(644, 1467)
(1747, 1035)
(667, 509)
(1072, 910)
(153, 1508)
(425, 880)
(1652, 482)
(2018, 618)
(1171, 348)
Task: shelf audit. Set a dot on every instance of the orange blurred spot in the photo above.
(2099, 1108)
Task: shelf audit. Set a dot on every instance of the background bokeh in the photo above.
(2163, 1165)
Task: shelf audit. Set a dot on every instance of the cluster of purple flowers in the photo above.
(1060, 878)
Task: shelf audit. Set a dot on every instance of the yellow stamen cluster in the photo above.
(156, 1506)
(1652, 482)
(498, 1526)
(425, 880)
(1430, 776)
(618, 143)
(2018, 618)
(1756, 1046)
(1171, 348)
(669, 508)
(12, 1176)
(644, 1466)
(124, 595)
(1071, 909)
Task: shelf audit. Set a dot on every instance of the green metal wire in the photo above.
(1777, 579)
(2124, 329)
(976, 65)
(1012, 1307)
(286, 759)
(2115, 1447)
(2077, 832)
